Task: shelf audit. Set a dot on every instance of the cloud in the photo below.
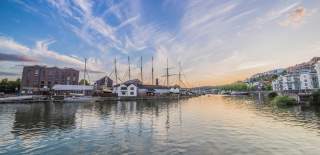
(41, 50)
(90, 71)
(94, 29)
(8, 74)
(207, 40)
(8, 45)
(13, 57)
(296, 17)
(14, 51)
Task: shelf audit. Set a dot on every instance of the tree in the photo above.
(237, 86)
(84, 82)
(315, 98)
(7, 86)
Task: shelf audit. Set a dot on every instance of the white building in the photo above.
(129, 90)
(175, 90)
(135, 87)
(308, 81)
(59, 89)
(304, 80)
(290, 82)
(277, 85)
(317, 68)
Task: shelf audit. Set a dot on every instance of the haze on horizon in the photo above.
(217, 42)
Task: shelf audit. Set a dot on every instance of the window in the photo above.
(131, 88)
(36, 72)
(123, 88)
(123, 93)
(131, 93)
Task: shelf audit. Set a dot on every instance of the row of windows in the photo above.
(125, 88)
(124, 93)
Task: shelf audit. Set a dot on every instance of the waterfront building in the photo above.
(317, 68)
(290, 82)
(104, 84)
(136, 88)
(302, 80)
(37, 79)
(127, 90)
(72, 89)
(308, 81)
(277, 84)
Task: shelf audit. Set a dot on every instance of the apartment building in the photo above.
(41, 78)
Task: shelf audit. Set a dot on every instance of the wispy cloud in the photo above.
(296, 17)
(93, 28)
(212, 38)
(13, 57)
(8, 74)
(40, 53)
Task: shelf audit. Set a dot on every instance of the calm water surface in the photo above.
(202, 125)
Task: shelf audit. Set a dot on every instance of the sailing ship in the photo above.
(80, 97)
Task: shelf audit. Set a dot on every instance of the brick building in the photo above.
(41, 78)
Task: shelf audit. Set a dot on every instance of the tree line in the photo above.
(9, 86)
(241, 86)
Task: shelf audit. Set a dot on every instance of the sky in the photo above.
(214, 41)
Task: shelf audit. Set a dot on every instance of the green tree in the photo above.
(284, 101)
(315, 98)
(7, 86)
(84, 82)
(237, 86)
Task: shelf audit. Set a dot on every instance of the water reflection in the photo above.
(37, 117)
(205, 125)
(301, 115)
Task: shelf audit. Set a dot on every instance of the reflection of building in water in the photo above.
(37, 117)
(125, 107)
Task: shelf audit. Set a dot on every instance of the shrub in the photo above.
(272, 95)
(315, 98)
(284, 101)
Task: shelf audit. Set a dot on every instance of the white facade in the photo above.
(306, 81)
(78, 89)
(317, 67)
(300, 81)
(277, 84)
(175, 90)
(286, 82)
(72, 87)
(124, 90)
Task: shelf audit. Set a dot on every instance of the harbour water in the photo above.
(200, 125)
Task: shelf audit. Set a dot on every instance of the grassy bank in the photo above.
(283, 101)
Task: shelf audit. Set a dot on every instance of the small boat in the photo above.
(78, 98)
